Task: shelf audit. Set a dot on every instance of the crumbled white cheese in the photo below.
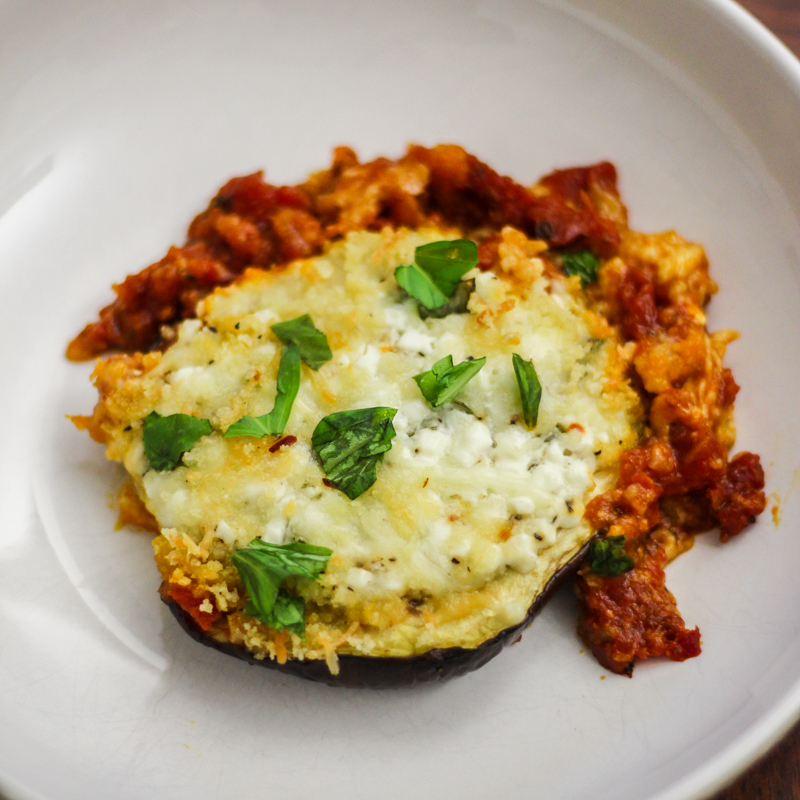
(430, 445)
(489, 287)
(358, 578)
(135, 459)
(410, 416)
(413, 341)
(370, 359)
(512, 613)
(474, 439)
(461, 498)
(181, 374)
(519, 553)
(275, 531)
(225, 532)
(188, 329)
(521, 505)
(266, 316)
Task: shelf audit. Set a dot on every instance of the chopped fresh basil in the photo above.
(351, 444)
(289, 612)
(166, 439)
(457, 304)
(443, 381)
(436, 272)
(263, 567)
(584, 263)
(447, 262)
(311, 342)
(420, 286)
(530, 390)
(274, 423)
(608, 557)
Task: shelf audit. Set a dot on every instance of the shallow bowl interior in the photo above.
(118, 122)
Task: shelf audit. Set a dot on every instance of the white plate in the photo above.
(117, 123)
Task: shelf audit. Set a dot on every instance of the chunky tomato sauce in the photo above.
(676, 483)
(253, 223)
(192, 604)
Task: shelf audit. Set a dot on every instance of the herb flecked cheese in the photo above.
(469, 501)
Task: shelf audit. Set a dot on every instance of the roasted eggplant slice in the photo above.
(354, 490)
(387, 672)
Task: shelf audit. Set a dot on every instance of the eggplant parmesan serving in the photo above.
(375, 419)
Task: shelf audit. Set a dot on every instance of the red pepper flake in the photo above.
(577, 427)
(328, 483)
(285, 442)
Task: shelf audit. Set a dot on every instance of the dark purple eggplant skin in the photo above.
(366, 672)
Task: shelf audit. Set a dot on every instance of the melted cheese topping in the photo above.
(465, 504)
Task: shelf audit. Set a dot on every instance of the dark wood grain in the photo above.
(777, 776)
(782, 17)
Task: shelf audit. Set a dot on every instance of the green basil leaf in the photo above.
(443, 381)
(446, 262)
(418, 284)
(263, 567)
(288, 384)
(530, 390)
(166, 439)
(261, 580)
(584, 263)
(299, 559)
(351, 444)
(608, 557)
(289, 612)
(311, 342)
(457, 304)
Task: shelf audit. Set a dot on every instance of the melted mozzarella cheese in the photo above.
(466, 495)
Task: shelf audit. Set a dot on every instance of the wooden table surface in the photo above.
(777, 776)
